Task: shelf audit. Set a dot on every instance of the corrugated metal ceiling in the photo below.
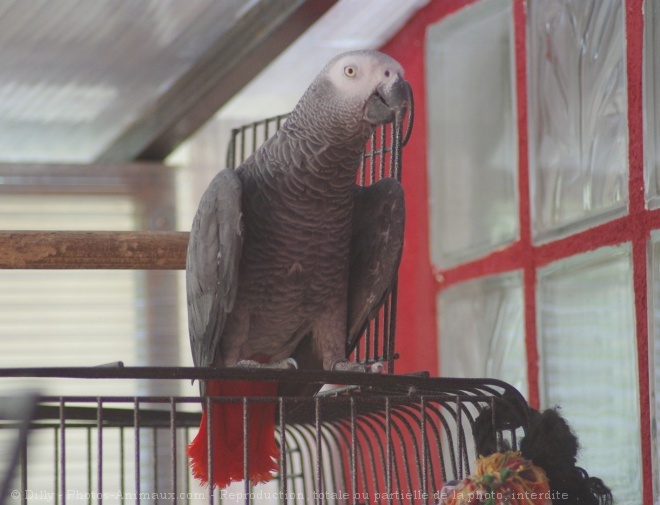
(76, 73)
(85, 80)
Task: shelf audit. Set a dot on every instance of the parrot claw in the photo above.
(289, 364)
(343, 365)
(377, 367)
(285, 364)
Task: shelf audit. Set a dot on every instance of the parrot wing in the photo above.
(212, 264)
(376, 247)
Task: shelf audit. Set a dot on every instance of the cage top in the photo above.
(409, 384)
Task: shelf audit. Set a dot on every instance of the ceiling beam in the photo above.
(256, 39)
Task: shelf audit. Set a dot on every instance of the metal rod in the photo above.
(376, 335)
(242, 144)
(425, 455)
(99, 424)
(354, 476)
(122, 465)
(90, 485)
(246, 451)
(62, 452)
(187, 480)
(56, 464)
(254, 139)
(154, 459)
(24, 472)
(491, 387)
(319, 468)
(209, 446)
(173, 454)
(388, 442)
(283, 449)
(392, 328)
(382, 130)
(136, 428)
(372, 161)
(231, 152)
(459, 424)
(362, 177)
(387, 337)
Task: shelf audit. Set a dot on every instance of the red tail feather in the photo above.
(227, 435)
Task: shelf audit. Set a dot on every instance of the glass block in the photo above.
(652, 102)
(654, 358)
(472, 133)
(588, 351)
(578, 131)
(482, 330)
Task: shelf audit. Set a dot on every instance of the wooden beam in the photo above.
(255, 40)
(93, 250)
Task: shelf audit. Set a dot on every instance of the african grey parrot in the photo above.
(288, 258)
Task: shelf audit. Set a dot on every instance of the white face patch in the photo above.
(358, 75)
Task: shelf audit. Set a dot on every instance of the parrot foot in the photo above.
(343, 365)
(377, 367)
(285, 364)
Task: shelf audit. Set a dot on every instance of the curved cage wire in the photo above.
(377, 439)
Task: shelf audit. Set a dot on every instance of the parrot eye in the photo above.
(350, 71)
(387, 73)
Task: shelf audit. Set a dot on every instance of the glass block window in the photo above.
(586, 332)
(472, 133)
(481, 322)
(652, 101)
(654, 356)
(568, 295)
(578, 128)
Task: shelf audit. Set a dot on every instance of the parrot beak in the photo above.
(390, 102)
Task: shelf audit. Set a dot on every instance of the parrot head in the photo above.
(359, 90)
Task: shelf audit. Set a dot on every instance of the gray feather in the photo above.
(376, 248)
(212, 264)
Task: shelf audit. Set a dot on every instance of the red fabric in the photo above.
(227, 435)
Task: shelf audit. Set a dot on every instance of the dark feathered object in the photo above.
(551, 445)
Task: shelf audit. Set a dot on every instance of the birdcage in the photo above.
(377, 439)
(367, 439)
